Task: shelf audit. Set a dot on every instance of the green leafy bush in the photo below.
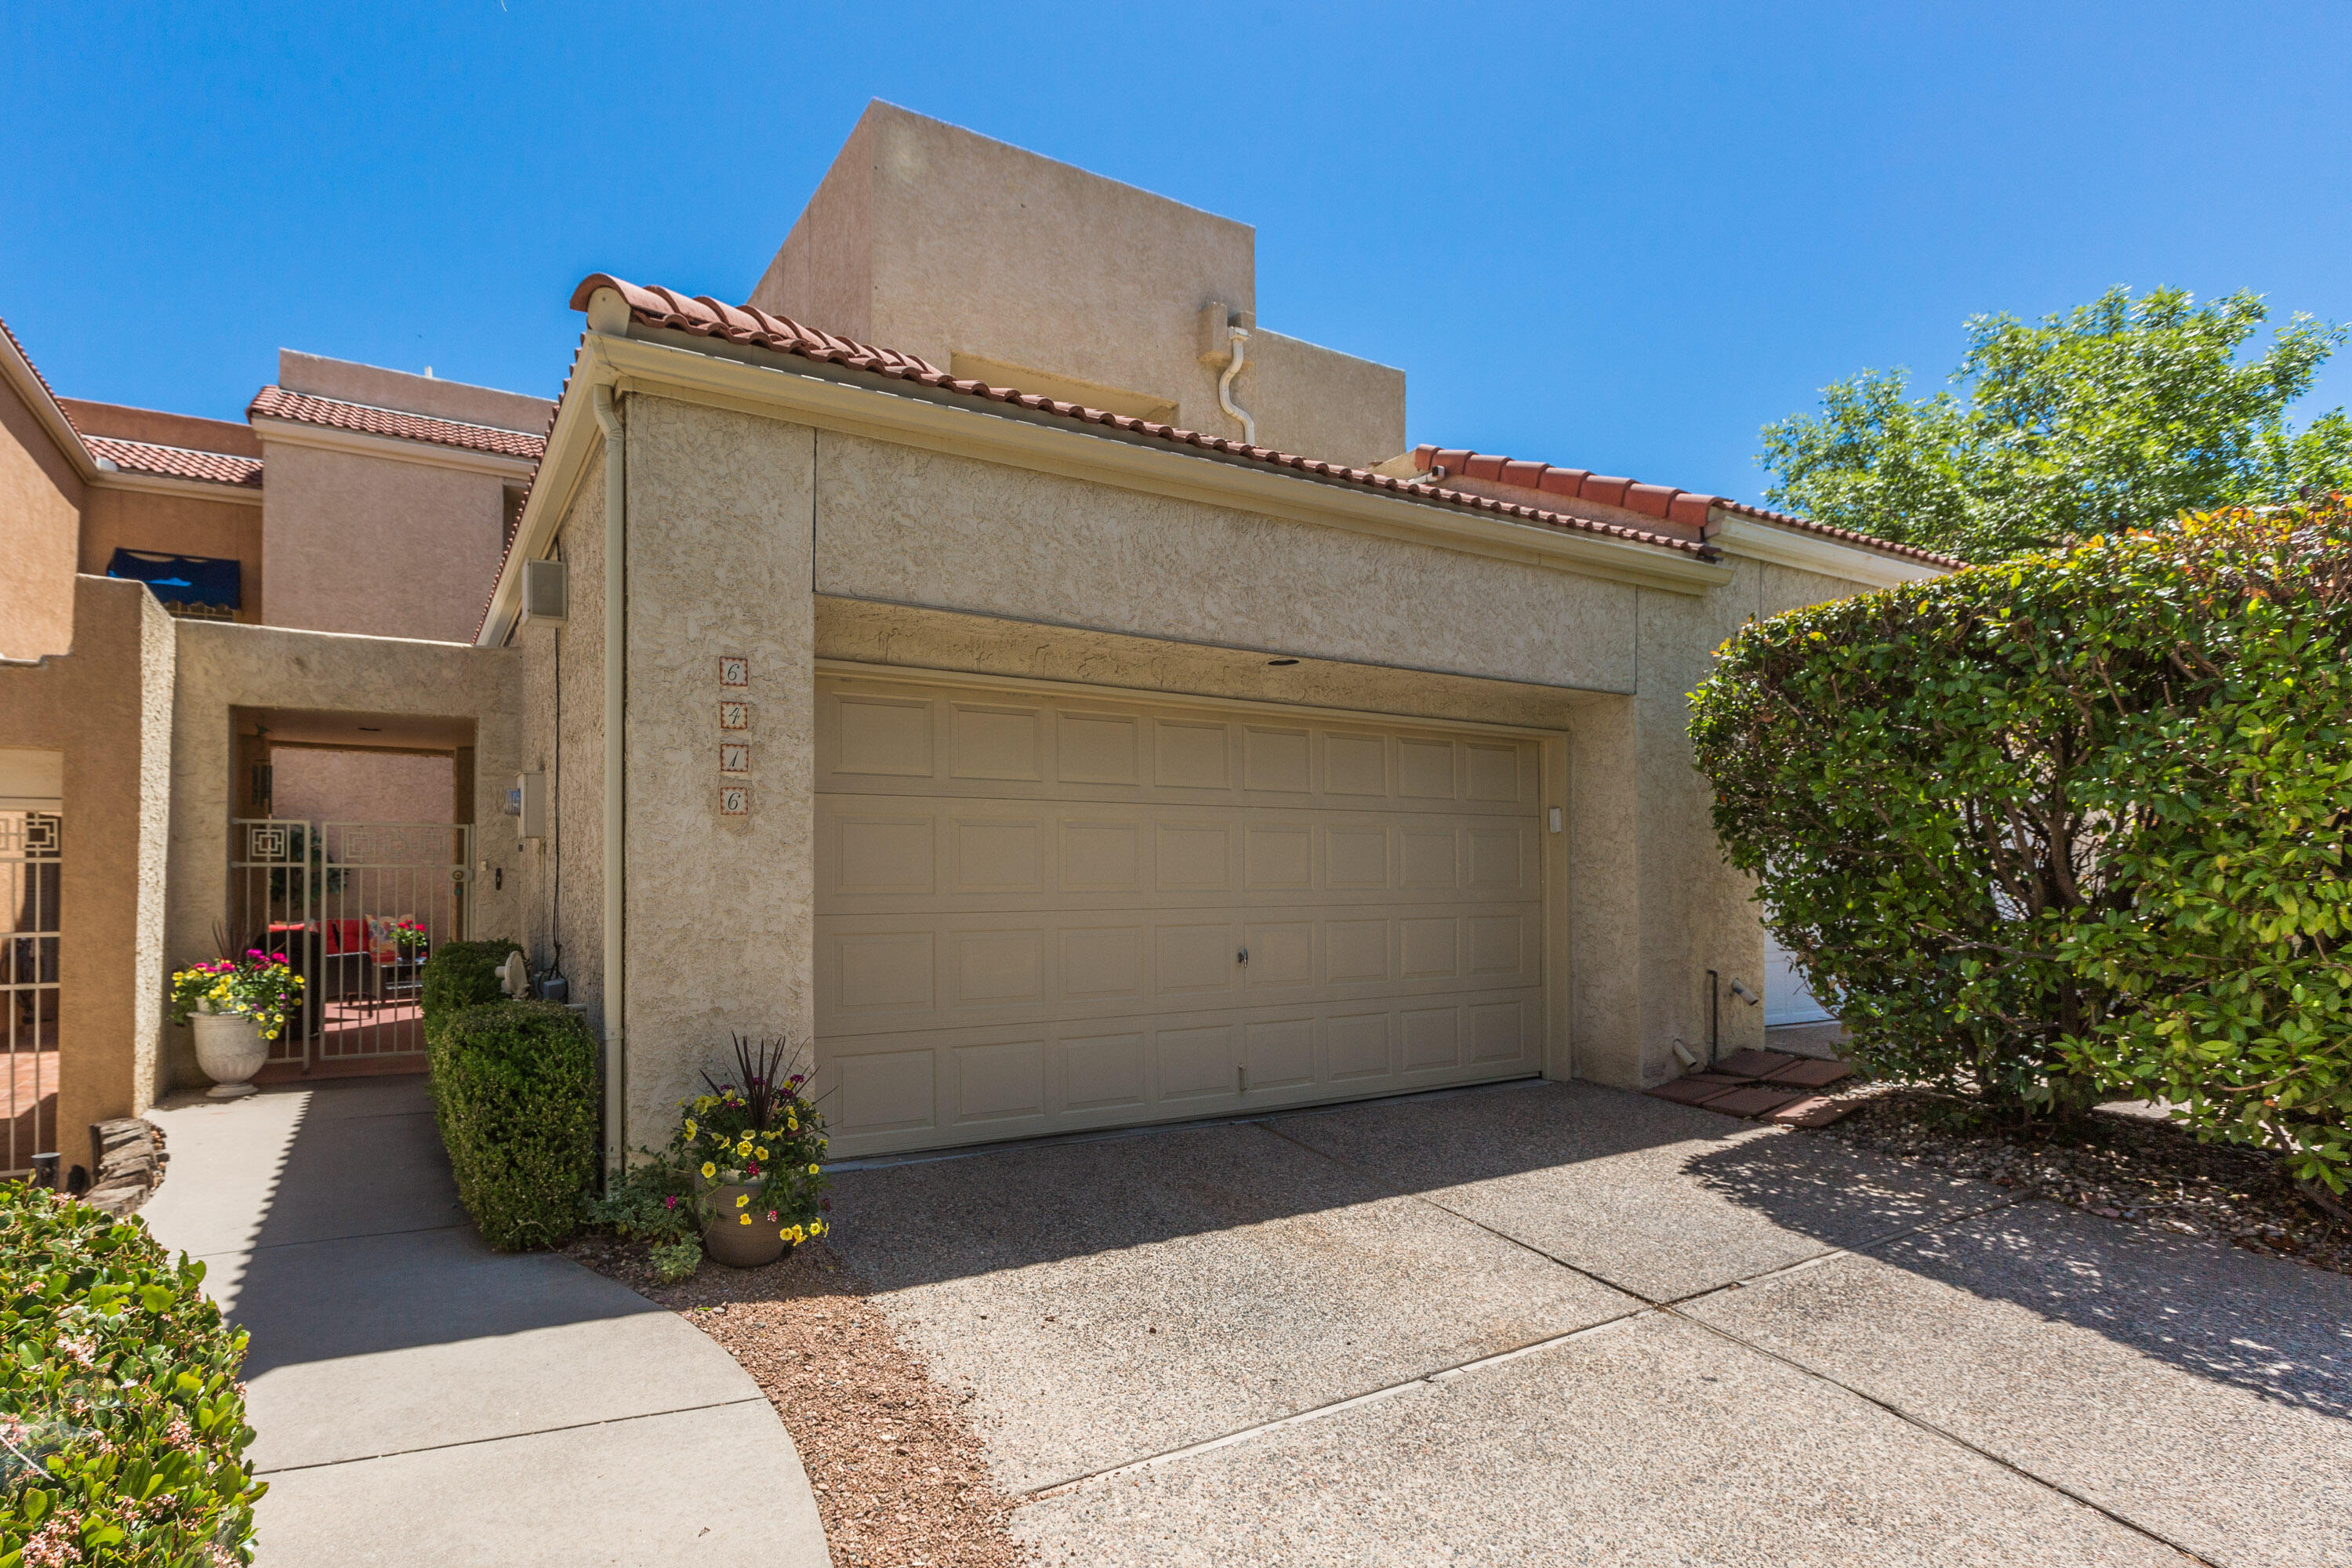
(460, 975)
(2073, 824)
(515, 1088)
(122, 1422)
(653, 1202)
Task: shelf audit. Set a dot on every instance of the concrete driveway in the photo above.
(1555, 1323)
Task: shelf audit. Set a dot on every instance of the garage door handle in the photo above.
(1242, 957)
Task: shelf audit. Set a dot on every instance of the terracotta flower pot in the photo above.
(727, 1240)
(230, 1050)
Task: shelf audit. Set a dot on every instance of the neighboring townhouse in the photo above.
(992, 656)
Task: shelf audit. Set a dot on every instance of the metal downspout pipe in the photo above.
(1239, 337)
(616, 691)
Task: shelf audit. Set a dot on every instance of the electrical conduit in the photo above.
(1239, 337)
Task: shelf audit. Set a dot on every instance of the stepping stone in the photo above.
(1752, 1102)
(1816, 1074)
(1691, 1091)
(1754, 1064)
(1813, 1111)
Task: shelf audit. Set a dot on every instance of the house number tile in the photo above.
(735, 800)
(734, 671)
(735, 756)
(734, 715)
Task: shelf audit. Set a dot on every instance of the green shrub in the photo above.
(459, 974)
(653, 1202)
(2073, 824)
(123, 1420)
(515, 1088)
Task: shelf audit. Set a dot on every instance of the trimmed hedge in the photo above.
(123, 1420)
(516, 1092)
(459, 974)
(2075, 825)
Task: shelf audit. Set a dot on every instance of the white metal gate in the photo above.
(31, 867)
(356, 907)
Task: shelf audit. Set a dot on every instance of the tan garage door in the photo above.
(1040, 912)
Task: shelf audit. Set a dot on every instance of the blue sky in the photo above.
(1617, 236)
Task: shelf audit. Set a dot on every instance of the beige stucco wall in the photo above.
(720, 908)
(379, 546)
(381, 388)
(41, 498)
(221, 667)
(177, 524)
(319, 786)
(1318, 401)
(561, 921)
(107, 706)
(913, 526)
(930, 239)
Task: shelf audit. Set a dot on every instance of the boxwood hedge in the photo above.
(2072, 826)
(459, 974)
(516, 1091)
(122, 1422)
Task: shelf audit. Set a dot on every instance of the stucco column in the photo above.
(720, 866)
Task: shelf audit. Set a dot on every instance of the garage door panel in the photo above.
(879, 736)
(997, 743)
(1033, 914)
(926, 1087)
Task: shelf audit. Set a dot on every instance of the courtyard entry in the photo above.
(1040, 910)
(356, 907)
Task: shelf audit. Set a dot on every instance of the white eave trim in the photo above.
(112, 476)
(1760, 540)
(863, 404)
(396, 449)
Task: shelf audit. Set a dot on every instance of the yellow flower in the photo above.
(689, 1127)
(745, 1219)
(743, 1200)
(792, 1124)
(708, 1170)
(783, 1236)
(811, 1170)
(817, 1228)
(764, 1156)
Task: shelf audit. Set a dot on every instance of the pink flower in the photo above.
(670, 1202)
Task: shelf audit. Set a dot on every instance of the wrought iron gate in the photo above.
(356, 907)
(32, 866)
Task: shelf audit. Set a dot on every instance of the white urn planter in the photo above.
(230, 1049)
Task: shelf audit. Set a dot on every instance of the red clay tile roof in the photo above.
(177, 462)
(276, 403)
(740, 324)
(1662, 501)
(18, 344)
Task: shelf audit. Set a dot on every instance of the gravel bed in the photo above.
(899, 1477)
(2117, 1165)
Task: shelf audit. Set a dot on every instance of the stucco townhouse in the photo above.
(991, 657)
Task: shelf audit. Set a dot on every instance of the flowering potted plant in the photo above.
(753, 1148)
(236, 1006)
(407, 936)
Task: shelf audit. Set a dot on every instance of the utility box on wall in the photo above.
(530, 803)
(546, 593)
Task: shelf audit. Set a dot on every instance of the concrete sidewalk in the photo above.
(421, 1400)
(1554, 1323)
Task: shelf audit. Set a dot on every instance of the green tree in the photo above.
(2118, 414)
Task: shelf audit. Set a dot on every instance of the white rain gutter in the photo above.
(1239, 337)
(616, 691)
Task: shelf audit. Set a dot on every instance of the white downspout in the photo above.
(617, 689)
(1239, 337)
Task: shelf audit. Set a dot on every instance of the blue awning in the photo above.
(180, 579)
